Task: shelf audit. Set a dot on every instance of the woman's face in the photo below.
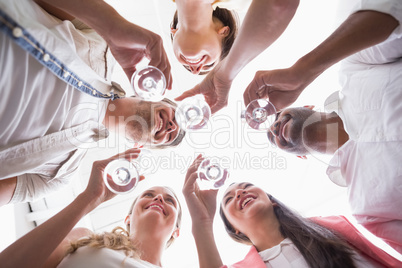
(199, 52)
(157, 208)
(245, 204)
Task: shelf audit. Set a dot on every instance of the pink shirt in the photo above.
(342, 226)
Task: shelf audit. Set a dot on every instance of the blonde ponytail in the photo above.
(118, 239)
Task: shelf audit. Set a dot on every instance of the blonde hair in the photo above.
(119, 239)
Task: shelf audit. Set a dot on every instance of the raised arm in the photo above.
(202, 207)
(37, 246)
(129, 43)
(264, 22)
(360, 30)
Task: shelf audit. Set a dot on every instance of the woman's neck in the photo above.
(151, 248)
(194, 15)
(266, 234)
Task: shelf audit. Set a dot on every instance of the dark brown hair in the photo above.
(319, 246)
(228, 18)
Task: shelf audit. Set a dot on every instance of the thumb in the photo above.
(216, 104)
(189, 93)
(216, 107)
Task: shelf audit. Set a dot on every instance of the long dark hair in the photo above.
(319, 246)
(228, 18)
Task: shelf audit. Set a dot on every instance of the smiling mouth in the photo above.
(282, 130)
(157, 207)
(193, 61)
(246, 200)
(160, 122)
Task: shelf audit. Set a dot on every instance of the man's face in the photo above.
(288, 129)
(148, 123)
(164, 126)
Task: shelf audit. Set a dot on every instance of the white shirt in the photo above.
(391, 7)
(87, 257)
(47, 119)
(387, 51)
(370, 105)
(283, 255)
(286, 255)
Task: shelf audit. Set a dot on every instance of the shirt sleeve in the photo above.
(31, 187)
(391, 7)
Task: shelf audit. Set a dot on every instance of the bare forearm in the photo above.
(360, 31)
(37, 245)
(265, 21)
(208, 254)
(100, 16)
(7, 189)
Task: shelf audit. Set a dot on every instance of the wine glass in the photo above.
(212, 174)
(259, 114)
(121, 176)
(149, 83)
(193, 113)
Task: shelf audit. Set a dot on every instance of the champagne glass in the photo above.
(121, 176)
(212, 173)
(193, 113)
(259, 114)
(149, 83)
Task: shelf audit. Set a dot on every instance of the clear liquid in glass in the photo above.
(149, 83)
(193, 113)
(212, 174)
(260, 114)
(121, 176)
